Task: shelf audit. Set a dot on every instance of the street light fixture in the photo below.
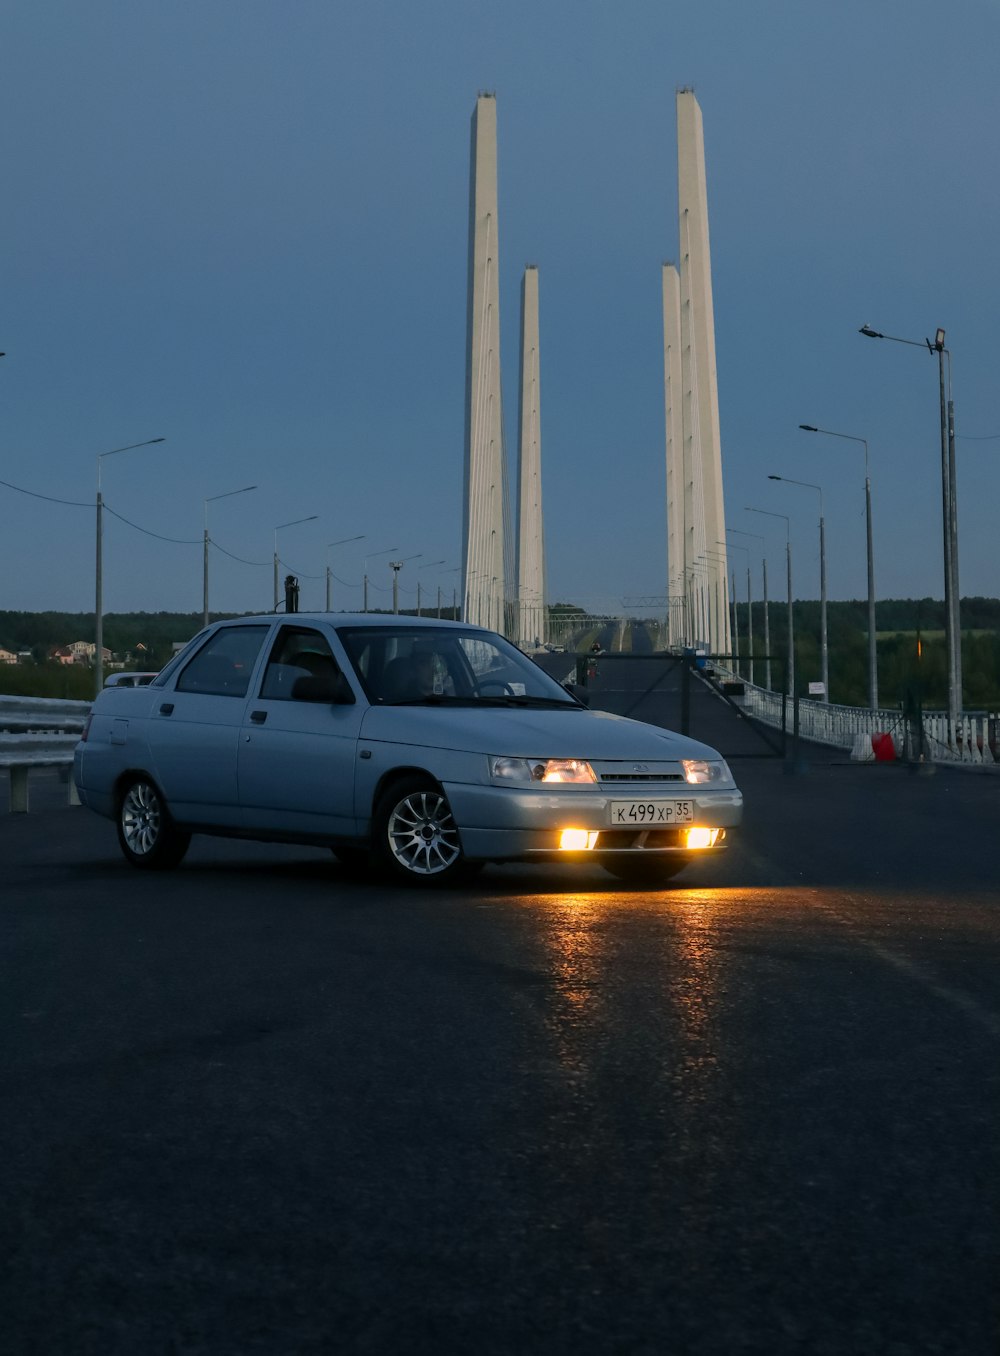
(211, 498)
(99, 588)
(949, 514)
(823, 652)
(790, 676)
(294, 523)
(872, 652)
(343, 541)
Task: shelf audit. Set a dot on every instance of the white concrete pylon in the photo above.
(532, 611)
(673, 405)
(485, 512)
(702, 431)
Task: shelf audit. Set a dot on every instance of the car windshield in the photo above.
(447, 666)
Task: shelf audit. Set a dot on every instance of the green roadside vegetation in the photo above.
(907, 670)
(145, 640)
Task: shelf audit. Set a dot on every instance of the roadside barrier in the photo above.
(38, 732)
(974, 739)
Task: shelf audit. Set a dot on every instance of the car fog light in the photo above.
(702, 838)
(577, 840)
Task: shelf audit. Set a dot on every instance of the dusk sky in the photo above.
(242, 226)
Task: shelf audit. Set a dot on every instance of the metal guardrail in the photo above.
(38, 732)
(974, 739)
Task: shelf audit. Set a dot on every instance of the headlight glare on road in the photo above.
(565, 770)
(700, 771)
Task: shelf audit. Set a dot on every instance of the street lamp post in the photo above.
(872, 642)
(294, 523)
(720, 563)
(790, 677)
(430, 565)
(767, 628)
(372, 555)
(702, 562)
(735, 546)
(211, 499)
(457, 569)
(343, 542)
(949, 515)
(396, 566)
(99, 572)
(823, 652)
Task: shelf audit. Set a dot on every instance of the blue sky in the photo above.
(241, 225)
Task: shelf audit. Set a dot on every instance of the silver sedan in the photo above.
(429, 747)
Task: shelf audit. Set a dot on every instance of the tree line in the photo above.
(911, 653)
(912, 660)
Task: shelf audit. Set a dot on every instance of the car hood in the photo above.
(575, 733)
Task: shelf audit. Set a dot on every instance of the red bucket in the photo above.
(883, 748)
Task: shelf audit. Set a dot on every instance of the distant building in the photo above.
(78, 652)
(7, 657)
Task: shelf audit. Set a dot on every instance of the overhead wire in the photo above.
(75, 503)
(178, 541)
(241, 559)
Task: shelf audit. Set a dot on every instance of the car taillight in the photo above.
(86, 728)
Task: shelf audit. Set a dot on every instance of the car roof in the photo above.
(376, 620)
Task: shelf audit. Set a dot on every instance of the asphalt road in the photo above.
(259, 1105)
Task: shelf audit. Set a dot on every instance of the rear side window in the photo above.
(223, 665)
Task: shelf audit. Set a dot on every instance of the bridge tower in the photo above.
(677, 477)
(486, 518)
(532, 610)
(696, 521)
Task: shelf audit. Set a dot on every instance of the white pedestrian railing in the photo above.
(974, 740)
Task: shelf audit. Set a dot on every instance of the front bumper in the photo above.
(499, 823)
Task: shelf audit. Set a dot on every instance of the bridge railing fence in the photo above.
(973, 740)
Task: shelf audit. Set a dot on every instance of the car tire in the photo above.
(639, 870)
(416, 838)
(146, 833)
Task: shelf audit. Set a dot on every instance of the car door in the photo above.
(195, 723)
(299, 742)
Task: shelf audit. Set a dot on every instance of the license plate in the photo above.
(636, 814)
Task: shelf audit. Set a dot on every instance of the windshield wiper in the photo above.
(509, 699)
(434, 699)
(519, 699)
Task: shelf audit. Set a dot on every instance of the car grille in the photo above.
(617, 772)
(640, 778)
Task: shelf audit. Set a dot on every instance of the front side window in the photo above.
(301, 667)
(223, 665)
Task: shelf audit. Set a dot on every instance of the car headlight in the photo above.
(565, 770)
(698, 771)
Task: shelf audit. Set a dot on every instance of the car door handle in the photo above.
(258, 717)
(166, 709)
